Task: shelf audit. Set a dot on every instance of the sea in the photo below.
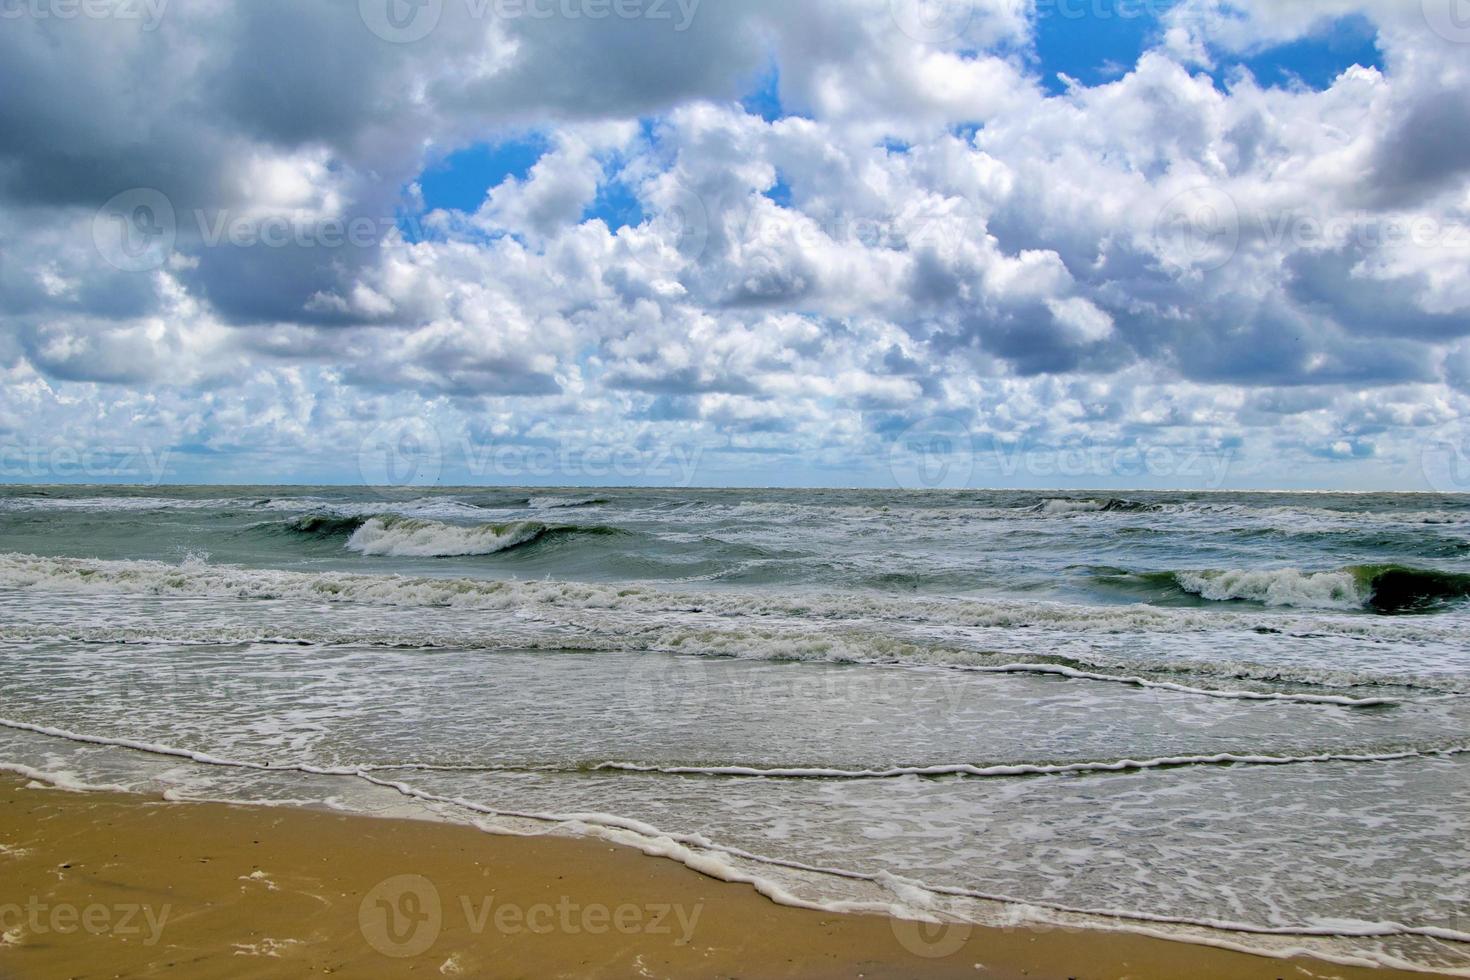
(1236, 719)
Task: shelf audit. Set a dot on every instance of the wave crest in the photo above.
(1064, 506)
(402, 537)
(1277, 587)
(565, 503)
(1387, 589)
(326, 525)
(405, 537)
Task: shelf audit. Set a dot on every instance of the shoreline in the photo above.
(103, 883)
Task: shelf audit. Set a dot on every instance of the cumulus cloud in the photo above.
(911, 225)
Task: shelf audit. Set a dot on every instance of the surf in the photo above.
(396, 536)
(1385, 589)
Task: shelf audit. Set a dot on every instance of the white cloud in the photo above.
(1161, 257)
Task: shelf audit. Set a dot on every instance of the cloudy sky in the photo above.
(835, 242)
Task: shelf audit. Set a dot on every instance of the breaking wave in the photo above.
(1276, 587)
(1396, 589)
(402, 537)
(1062, 506)
(1386, 589)
(392, 536)
(565, 503)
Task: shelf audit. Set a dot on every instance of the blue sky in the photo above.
(462, 179)
(779, 241)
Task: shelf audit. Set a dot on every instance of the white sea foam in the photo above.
(1278, 587)
(64, 780)
(405, 538)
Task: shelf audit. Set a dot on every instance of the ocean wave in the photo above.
(1387, 589)
(322, 526)
(1276, 587)
(565, 503)
(1066, 506)
(404, 537)
(1397, 588)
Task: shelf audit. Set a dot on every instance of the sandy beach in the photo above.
(121, 886)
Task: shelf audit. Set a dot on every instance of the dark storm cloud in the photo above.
(1425, 153)
(1387, 308)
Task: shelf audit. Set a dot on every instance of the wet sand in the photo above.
(101, 885)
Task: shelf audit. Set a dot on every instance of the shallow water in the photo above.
(1243, 713)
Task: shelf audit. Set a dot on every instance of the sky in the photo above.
(1197, 244)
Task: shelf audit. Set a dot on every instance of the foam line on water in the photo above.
(1073, 673)
(1026, 769)
(657, 643)
(671, 642)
